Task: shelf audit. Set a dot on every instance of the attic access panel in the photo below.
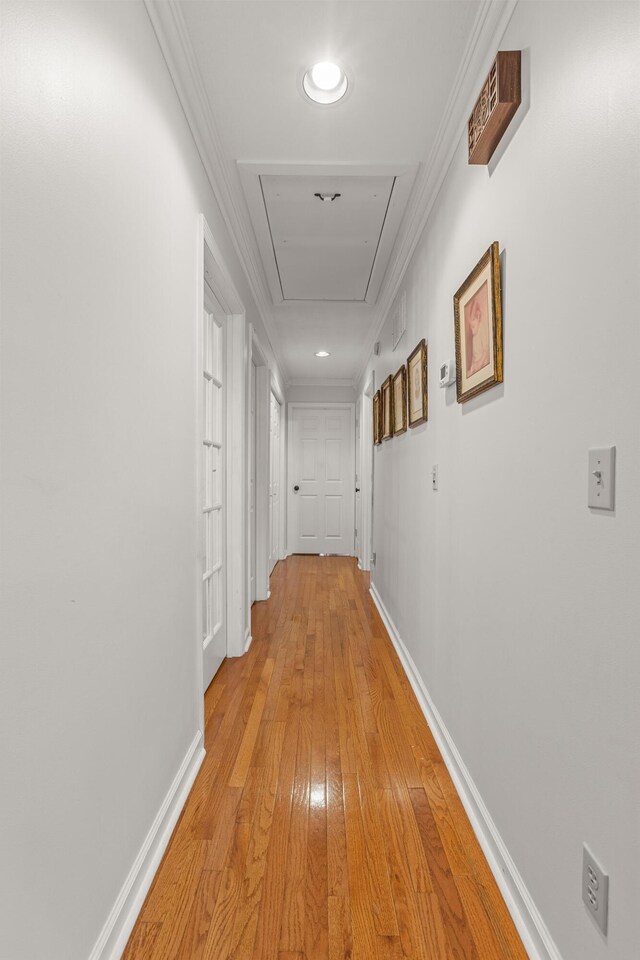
(325, 250)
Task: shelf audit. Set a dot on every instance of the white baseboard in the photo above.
(117, 930)
(532, 929)
(247, 639)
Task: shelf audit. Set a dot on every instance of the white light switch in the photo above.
(602, 478)
(434, 477)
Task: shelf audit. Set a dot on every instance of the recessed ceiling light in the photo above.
(326, 75)
(325, 82)
(322, 353)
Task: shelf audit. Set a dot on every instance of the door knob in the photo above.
(296, 488)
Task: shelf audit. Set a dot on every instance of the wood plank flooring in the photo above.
(323, 824)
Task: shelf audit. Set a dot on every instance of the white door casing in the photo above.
(213, 491)
(365, 477)
(358, 508)
(258, 378)
(252, 483)
(213, 278)
(322, 468)
(274, 483)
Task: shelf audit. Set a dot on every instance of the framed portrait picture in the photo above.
(417, 377)
(377, 419)
(477, 312)
(400, 401)
(386, 391)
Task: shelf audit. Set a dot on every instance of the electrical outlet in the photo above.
(595, 888)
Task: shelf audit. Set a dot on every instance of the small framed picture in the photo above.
(477, 312)
(387, 408)
(417, 376)
(377, 419)
(400, 401)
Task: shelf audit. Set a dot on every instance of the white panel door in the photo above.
(274, 485)
(213, 516)
(321, 480)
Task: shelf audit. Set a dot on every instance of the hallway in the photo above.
(323, 823)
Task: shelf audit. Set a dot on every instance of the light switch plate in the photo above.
(434, 477)
(602, 478)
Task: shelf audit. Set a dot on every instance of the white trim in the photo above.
(284, 481)
(236, 491)
(491, 22)
(323, 403)
(256, 355)
(117, 930)
(280, 397)
(263, 453)
(168, 22)
(366, 474)
(212, 271)
(252, 355)
(320, 382)
(532, 929)
(281, 413)
(172, 35)
(276, 391)
(248, 639)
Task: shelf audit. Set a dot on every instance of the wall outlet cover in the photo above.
(595, 888)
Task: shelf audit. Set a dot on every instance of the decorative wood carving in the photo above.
(495, 107)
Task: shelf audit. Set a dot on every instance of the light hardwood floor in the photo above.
(323, 824)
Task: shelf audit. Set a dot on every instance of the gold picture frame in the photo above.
(400, 401)
(418, 400)
(377, 419)
(477, 313)
(386, 394)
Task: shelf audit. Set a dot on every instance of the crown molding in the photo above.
(318, 382)
(172, 35)
(168, 23)
(491, 22)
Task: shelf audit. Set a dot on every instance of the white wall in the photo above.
(101, 192)
(519, 606)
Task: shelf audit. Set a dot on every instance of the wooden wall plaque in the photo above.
(495, 107)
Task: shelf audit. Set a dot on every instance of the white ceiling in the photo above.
(402, 57)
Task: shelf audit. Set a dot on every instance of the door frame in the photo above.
(299, 404)
(273, 560)
(211, 270)
(366, 474)
(257, 355)
(216, 373)
(282, 533)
